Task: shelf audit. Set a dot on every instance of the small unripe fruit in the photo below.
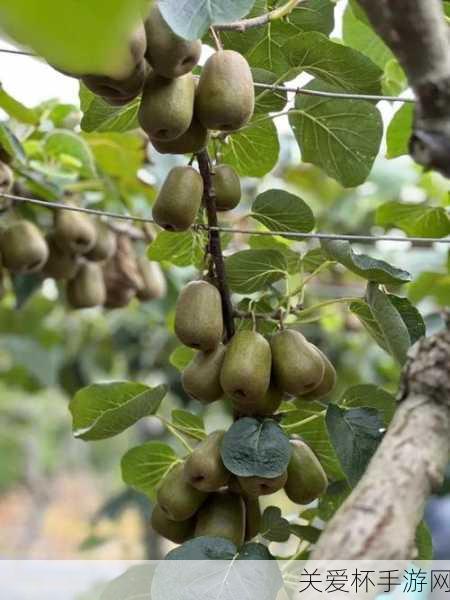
(23, 248)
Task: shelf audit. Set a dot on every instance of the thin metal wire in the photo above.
(19, 52)
(233, 230)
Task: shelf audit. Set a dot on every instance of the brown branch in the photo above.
(417, 33)
(261, 20)
(215, 246)
(379, 519)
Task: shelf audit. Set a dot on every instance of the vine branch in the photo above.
(215, 246)
(244, 24)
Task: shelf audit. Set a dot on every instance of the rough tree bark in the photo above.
(379, 519)
(417, 33)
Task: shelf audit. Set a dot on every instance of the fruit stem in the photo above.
(215, 246)
(216, 38)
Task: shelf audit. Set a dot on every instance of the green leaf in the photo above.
(181, 357)
(273, 527)
(435, 285)
(333, 63)
(355, 434)
(133, 584)
(61, 141)
(202, 549)
(253, 151)
(313, 259)
(392, 326)
(118, 154)
(424, 542)
(363, 265)
(360, 36)
(399, 131)
(306, 533)
(144, 467)
(10, 144)
(102, 117)
(251, 270)
(103, 410)
(370, 396)
(279, 210)
(309, 423)
(336, 494)
(179, 249)
(15, 109)
(70, 38)
(268, 100)
(394, 78)
(194, 18)
(189, 424)
(414, 219)
(341, 136)
(25, 286)
(253, 448)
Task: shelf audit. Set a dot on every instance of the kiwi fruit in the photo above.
(201, 378)
(227, 187)
(254, 487)
(62, 263)
(87, 288)
(170, 55)
(204, 469)
(222, 516)
(328, 382)
(74, 231)
(198, 316)
(154, 286)
(167, 106)
(6, 179)
(179, 199)
(177, 532)
(191, 142)
(177, 499)
(306, 478)
(118, 92)
(105, 244)
(23, 248)
(225, 98)
(266, 406)
(245, 374)
(297, 367)
(253, 518)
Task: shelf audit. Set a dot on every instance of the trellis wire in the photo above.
(233, 230)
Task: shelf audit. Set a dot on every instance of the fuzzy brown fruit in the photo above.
(306, 479)
(62, 263)
(194, 140)
(254, 487)
(178, 500)
(201, 378)
(328, 382)
(87, 288)
(222, 516)
(154, 286)
(227, 187)
(204, 469)
(74, 231)
(23, 248)
(177, 532)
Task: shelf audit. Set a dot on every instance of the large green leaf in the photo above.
(68, 35)
(399, 131)
(60, 141)
(251, 270)
(363, 265)
(10, 144)
(253, 448)
(338, 65)
(341, 136)
(435, 285)
(370, 396)
(144, 467)
(15, 109)
(192, 19)
(253, 151)
(355, 434)
(103, 410)
(279, 210)
(179, 249)
(273, 527)
(118, 154)
(268, 100)
(189, 424)
(414, 219)
(100, 116)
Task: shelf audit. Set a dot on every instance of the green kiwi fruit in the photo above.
(198, 316)
(87, 288)
(204, 469)
(23, 248)
(328, 382)
(105, 244)
(191, 142)
(222, 516)
(254, 487)
(201, 378)
(306, 479)
(74, 231)
(6, 179)
(266, 406)
(62, 263)
(154, 286)
(177, 532)
(253, 518)
(177, 499)
(227, 187)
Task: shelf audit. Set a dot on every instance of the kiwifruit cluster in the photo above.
(199, 497)
(97, 266)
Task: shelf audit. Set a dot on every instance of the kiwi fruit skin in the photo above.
(198, 316)
(254, 487)
(170, 55)
(297, 367)
(6, 179)
(177, 499)
(253, 516)
(177, 532)
(179, 199)
(201, 378)
(154, 285)
(23, 248)
(105, 244)
(195, 139)
(266, 406)
(167, 106)
(245, 375)
(328, 382)
(227, 187)
(62, 263)
(225, 98)
(87, 288)
(74, 231)
(306, 479)
(204, 469)
(223, 516)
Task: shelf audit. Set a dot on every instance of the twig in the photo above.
(216, 38)
(215, 246)
(261, 20)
